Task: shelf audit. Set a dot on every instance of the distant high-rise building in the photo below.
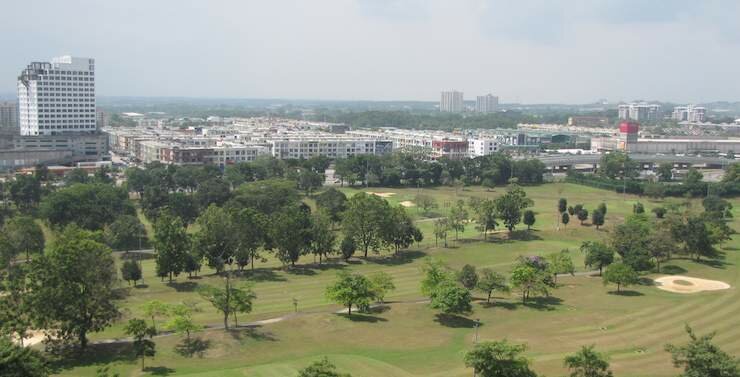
(486, 104)
(9, 115)
(689, 113)
(102, 118)
(451, 102)
(57, 97)
(640, 112)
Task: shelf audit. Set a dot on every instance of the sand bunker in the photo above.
(381, 194)
(685, 284)
(407, 203)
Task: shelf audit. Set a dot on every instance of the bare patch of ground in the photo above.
(685, 284)
(381, 194)
(407, 203)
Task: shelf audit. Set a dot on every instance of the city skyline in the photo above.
(390, 49)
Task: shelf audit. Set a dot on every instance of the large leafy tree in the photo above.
(400, 231)
(323, 239)
(485, 214)
(334, 202)
(509, 206)
(631, 241)
(142, 334)
(351, 290)
(251, 235)
(125, 233)
(267, 196)
(91, 206)
(171, 243)
(212, 191)
(290, 233)
(364, 219)
(499, 359)
(617, 165)
(15, 307)
(71, 286)
(530, 276)
(587, 362)
(228, 300)
(620, 274)
(217, 237)
(598, 255)
(25, 234)
(19, 361)
(451, 298)
(25, 191)
(490, 281)
(702, 358)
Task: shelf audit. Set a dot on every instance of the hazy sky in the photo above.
(523, 51)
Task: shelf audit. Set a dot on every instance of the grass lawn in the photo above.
(407, 338)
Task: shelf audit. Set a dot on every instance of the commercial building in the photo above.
(629, 141)
(57, 97)
(478, 147)
(451, 102)
(9, 115)
(689, 113)
(588, 121)
(486, 104)
(639, 112)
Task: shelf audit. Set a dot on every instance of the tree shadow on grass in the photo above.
(524, 235)
(121, 293)
(184, 286)
(547, 303)
(96, 354)
(159, 371)
(300, 270)
(672, 270)
(360, 317)
(141, 286)
(192, 347)
(454, 321)
(714, 263)
(252, 332)
(327, 266)
(627, 293)
(499, 304)
(377, 309)
(403, 257)
(262, 274)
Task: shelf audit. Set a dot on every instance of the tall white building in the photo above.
(689, 113)
(451, 102)
(486, 104)
(57, 97)
(9, 115)
(640, 112)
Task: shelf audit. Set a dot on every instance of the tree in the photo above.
(602, 208)
(290, 233)
(400, 231)
(351, 290)
(499, 359)
(130, 271)
(697, 238)
(560, 263)
(364, 220)
(252, 228)
(182, 323)
(661, 244)
(659, 212)
(531, 276)
(620, 274)
(381, 283)
(655, 190)
(15, 306)
(435, 272)
(25, 234)
(583, 215)
(458, 216)
(347, 247)
(228, 300)
(510, 205)
(321, 368)
(692, 177)
(617, 164)
(91, 206)
(182, 205)
(142, 334)
(212, 191)
(441, 227)
(713, 203)
(490, 281)
(529, 218)
(450, 298)
(630, 241)
(242, 301)
(154, 309)
(334, 202)
(562, 205)
(137, 180)
(309, 180)
(71, 286)
(25, 191)
(665, 171)
(19, 361)
(171, 243)
(597, 218)
(571, 210)
(468, 277)
(425, 202)
(638, 208)
(485, 214)
(565, 219)
(217, 237)
(598, 254)
(701, 357)
(267, 195)
(588, 363)
(124, 233)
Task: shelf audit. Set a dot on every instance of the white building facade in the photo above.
(57, 97)
(451, 102)
(689, 113)
(482, 147)
(486, 104)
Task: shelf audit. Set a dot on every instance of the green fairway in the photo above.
(407, 338)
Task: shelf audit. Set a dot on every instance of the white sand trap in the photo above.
(381, 194)
(685, 284)
(36, 337)
(407, 203)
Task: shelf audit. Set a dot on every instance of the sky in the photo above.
(526, 51)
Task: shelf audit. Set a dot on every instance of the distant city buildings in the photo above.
(690, 113)
(588, 121)
(57, 97)
(9, 115)
(639, 112)
(486, 104)
(451, 102)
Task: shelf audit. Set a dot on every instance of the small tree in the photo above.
(529, 218)
(571, 210)
(499, 359)
(182, 323)
(351, 290)
(451, 298)
(598, 255)
(382, 283)
(348, 247)
(130, 271)
(435, 272)
(562, 205)
(322, 368)
(620, 274)
(155, 309)
(20, 361)
(597, 218)
(468, 277)
(588, 363)
(638, 208)
(560, 263)
(425, 203)
(490, 281)
(565, 219)
(700, 357)
(441, 227)
(583, 215)
(602, 208)
(659, 212)
(142, 334)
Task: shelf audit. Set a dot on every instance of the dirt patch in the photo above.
(381, 194)
(685, 284)
(407, 203)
